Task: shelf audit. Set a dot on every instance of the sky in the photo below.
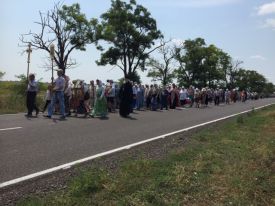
(244, 29)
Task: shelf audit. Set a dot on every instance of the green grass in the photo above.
(233, 164)
(6, 87)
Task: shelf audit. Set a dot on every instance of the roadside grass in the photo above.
(13, 97)
(232, 164)
(6, 87)
(11, 104)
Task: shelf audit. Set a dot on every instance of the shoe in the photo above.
(28, 115)
(62, 118)
(47, 116)
(37, 112)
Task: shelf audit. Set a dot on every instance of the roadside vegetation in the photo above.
(232, 164)
(13, 95)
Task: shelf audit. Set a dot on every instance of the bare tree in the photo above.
(163, 69)
(232, 72)
(67, 28)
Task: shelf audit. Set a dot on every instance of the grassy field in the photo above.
(13, 98)
(230, 165)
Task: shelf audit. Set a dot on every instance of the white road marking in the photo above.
(12, 128)
(68, 165)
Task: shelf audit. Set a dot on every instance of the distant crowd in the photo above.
(97, 99)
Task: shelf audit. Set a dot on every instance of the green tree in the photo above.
(213, 66)
(67, 28)
(133, 76)
(190, 57)
(250, 80)
(162, 70)
(131, 32)
(268, 89)
(201, 65)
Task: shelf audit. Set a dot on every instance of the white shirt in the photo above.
(134, 90)
(32, 86)
(68, 90)
(48, 95)
(183, 94)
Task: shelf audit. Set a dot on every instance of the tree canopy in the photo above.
(131, 32)
(126, 36)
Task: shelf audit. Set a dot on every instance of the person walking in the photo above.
(227, 96)
(134, 101)
(47, 98)
(174, 99)
(110, 93)
(164, 98)
(67, 95)
(126, 98)
(217, 97)
(58, 94)
(100, 108)
(147, 97)
(92, 89)
(32, 90)
(183, 96)
(140, 97)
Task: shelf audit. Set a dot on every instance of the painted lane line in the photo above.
(68, 165)
(12, 128)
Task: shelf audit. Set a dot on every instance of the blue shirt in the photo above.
(59, 84)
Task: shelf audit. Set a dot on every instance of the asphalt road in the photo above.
(45, 143)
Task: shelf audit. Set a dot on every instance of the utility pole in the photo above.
(29, 51)
(52, 58)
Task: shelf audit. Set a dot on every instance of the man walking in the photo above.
(58, 93)
(31, 96)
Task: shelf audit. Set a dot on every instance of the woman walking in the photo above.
(126, 98)
(100, 108)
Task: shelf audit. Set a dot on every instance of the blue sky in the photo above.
(243, 28)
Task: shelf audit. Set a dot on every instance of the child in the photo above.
(47, 98)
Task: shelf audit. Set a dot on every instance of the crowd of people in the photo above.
(97, 99)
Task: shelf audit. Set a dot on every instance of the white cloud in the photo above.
(269, 23)
(266, 9)
(194, 3)
(258, 57)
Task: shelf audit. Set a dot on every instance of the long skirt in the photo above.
(125, 107)
(100, 107)
(154, 104)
